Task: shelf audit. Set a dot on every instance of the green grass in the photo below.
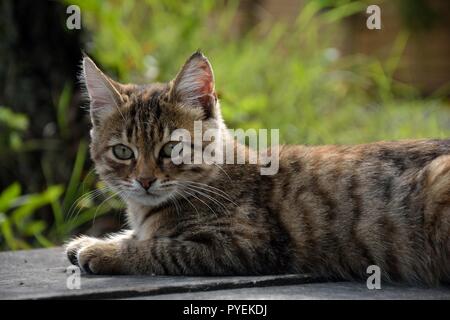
(274, 75)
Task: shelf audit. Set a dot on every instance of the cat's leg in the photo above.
(73, 246)
(164, 256)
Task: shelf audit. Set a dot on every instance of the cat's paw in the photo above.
(100, 258)
(75, 245)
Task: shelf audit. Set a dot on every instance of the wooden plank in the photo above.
(314, 291)
(41, 274)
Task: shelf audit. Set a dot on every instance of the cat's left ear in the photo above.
(194, 85)
(103, 92)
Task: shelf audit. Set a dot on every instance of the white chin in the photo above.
(151, 200)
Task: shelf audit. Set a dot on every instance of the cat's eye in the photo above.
(166, 151)
(122, 152)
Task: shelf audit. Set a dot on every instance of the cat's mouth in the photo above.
(152, 197)
(154, 193)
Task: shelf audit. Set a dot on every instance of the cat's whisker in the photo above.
(213, 192)
(107, 199)
(83, 185)
(208, 188)
(74, 204)
(185, 198)
(89, 196)
(175, 202)
(223, 170)
(81, 198)
(126, 197)
(79, 208)
(193, 195)
(208, 197)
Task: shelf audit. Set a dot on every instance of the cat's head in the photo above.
(132, 125)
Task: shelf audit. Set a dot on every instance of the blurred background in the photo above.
(310, 68)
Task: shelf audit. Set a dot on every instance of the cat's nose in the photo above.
(146, 182)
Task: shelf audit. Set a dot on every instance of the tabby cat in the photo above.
(330, 211)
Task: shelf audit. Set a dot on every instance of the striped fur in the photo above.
(330, 211)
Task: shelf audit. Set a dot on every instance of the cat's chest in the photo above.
(145, 222)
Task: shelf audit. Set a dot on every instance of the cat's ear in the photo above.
(194, 84)
(103, 92)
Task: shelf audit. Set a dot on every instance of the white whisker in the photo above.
(193, 195)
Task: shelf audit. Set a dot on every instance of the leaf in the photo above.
(8, 196)
(15, 141)
(6, 228)
(63, 108)
(13, 120)
(88, 215)
(35, 227)
(34, 202)
(43, 241)
(343, 11)
(74, 183)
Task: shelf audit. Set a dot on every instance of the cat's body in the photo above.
(330, 210)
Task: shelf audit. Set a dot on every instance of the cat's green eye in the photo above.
(166, 151)
(122, 152)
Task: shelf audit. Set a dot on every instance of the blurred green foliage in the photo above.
(12, 126)
(16, 219)
(273, 75)
(21, 226)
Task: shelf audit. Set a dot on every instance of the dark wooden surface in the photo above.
(41, 274)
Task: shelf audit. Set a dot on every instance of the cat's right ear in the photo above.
(194, 85)
(103, 95)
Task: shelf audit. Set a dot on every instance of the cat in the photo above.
(330, 211)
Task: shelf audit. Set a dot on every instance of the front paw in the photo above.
(74, 246)
(100, 258)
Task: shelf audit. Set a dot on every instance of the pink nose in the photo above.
(146, 182)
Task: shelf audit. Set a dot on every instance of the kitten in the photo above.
(331, 211)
